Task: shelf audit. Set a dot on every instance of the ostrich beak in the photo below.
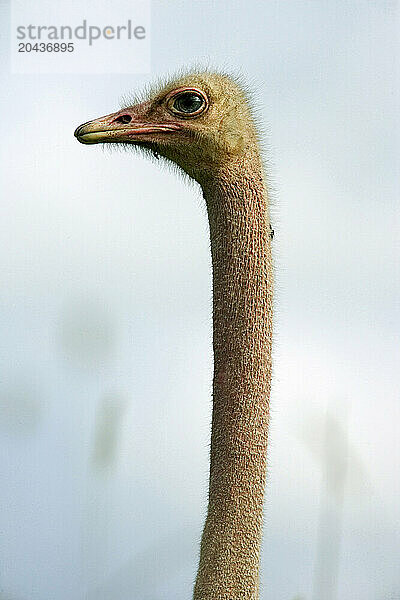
(127, 125)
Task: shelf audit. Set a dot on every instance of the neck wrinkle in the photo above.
(237, 207)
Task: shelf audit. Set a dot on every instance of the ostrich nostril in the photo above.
(123, 119)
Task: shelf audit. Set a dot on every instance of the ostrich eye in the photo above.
(189, 103)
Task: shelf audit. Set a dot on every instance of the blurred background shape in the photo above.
(21, 403)
(107, 433)
(334, 460)
(86, 333)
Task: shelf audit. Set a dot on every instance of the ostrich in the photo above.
(203, 123)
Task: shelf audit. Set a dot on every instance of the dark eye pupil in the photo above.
(188, 102)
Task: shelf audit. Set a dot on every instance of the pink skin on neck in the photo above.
(242, 311)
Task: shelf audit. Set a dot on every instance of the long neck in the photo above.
(237, 207)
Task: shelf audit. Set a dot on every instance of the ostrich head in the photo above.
(199, 121)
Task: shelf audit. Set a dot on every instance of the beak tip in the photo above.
(79, 132)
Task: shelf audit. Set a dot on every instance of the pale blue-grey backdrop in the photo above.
(105, 320)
